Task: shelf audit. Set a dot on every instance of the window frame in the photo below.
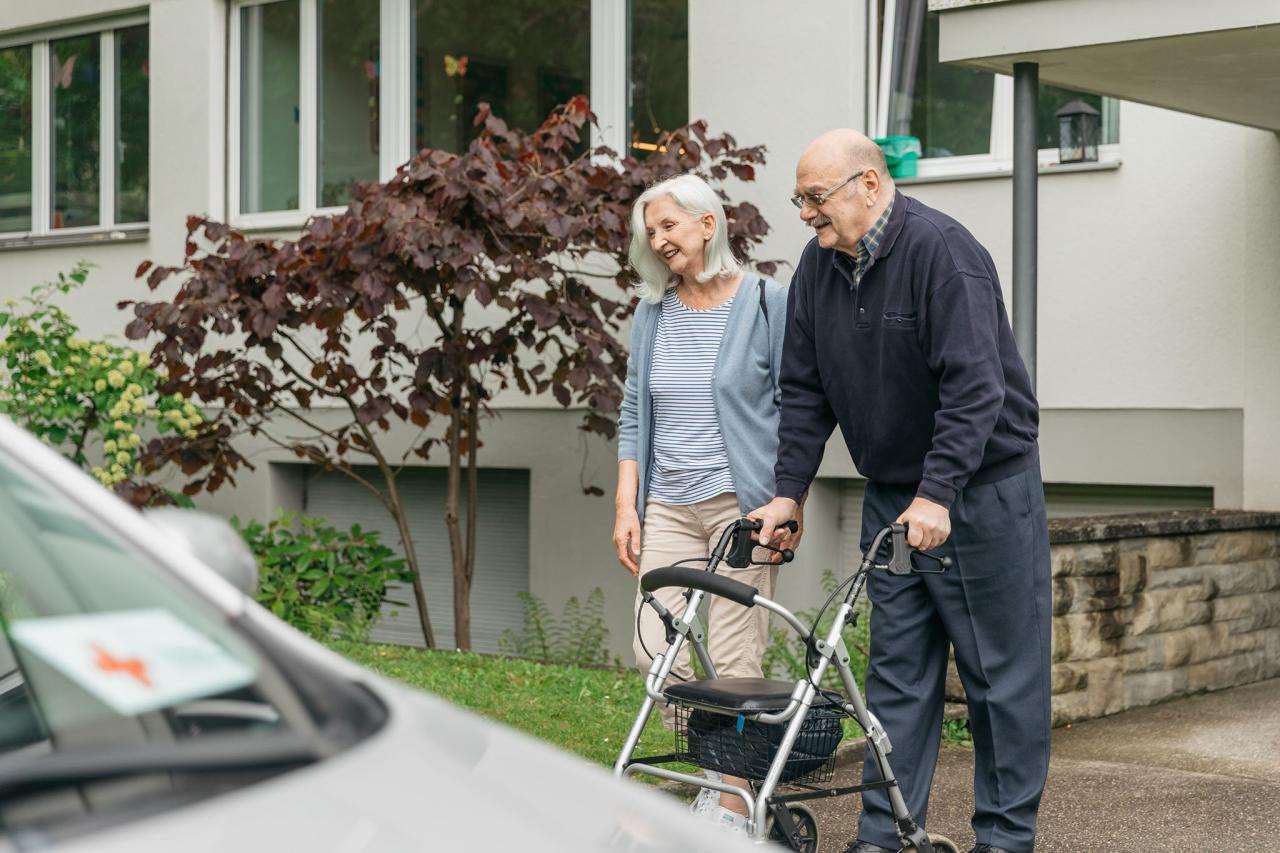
(609, 86)
(998, 161)
(41, 115)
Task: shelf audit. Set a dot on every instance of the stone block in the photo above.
(1247, 577)
(1168, 552)
(1085, 636)
(1187, 645)
(1159, 610)
(1085, 594)
(1253, 641)
(1185, 576)
(1132, 574)
(1248, 612)
(1137, 661)
(1070, 707)
(1240, 545)
(1147, 688)
(1106, 687)
(954, 688)
(1229, 671)
(1086, 558)
(1069, 677)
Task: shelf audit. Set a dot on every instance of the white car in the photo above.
(147, 704)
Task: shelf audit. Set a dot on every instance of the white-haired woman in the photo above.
(698, 432)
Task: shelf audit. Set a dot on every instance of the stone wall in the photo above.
(1150, 607)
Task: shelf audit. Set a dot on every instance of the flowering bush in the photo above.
(94, 401)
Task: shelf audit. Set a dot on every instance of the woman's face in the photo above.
(677, 235)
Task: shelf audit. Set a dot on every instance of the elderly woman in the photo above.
(699, 425)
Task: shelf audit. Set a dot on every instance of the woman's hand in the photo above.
(626, 538)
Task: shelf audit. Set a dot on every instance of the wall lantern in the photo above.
(1079, 127)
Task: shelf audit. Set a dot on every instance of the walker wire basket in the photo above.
(735, 746)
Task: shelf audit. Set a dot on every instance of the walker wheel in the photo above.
(806, 838)
(941, 844)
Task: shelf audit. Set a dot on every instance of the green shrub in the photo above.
(323, 581)
(578, 638)
(785, 656)
(92, 400)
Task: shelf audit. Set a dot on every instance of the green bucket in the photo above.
(901, 153)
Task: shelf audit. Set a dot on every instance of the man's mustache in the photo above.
(818, 222)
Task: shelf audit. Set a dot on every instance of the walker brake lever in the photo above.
(900, 562)
(739, 556)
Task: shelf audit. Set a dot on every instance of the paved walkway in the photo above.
(1194, 774)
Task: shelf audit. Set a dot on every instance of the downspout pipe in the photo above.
(1026, 90)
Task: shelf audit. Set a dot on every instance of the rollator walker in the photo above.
(770, 731)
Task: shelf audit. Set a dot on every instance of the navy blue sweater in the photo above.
(917, 364)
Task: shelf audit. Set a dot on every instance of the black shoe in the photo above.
(987, 848)
(866, 847)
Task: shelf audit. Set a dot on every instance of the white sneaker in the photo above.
(730, 822)
(708, 798)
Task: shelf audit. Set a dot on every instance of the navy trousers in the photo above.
(994, 607)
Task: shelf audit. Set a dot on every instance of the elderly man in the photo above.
(896, 331)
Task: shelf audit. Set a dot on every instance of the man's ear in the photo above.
(874, 185)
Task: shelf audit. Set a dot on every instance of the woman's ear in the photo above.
(708, 221)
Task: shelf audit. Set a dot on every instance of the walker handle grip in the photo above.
(683, 576)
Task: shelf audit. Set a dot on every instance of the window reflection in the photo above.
(133, 73)
(349, 71)
(659, 72)
(75, 91)
(947, 107)
(15, 139)
(269, 107)
(523, 57)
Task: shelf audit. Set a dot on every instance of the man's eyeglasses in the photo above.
(801, 199)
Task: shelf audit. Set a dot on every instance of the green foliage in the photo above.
(586, 711)
(785, 656)
(321, 580)
(90, 400)
(578, 638)
(956, 732)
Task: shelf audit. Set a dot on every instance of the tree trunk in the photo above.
(411, 558)
(473, 441)
(461, 582)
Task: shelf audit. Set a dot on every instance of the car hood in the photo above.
(435, 777)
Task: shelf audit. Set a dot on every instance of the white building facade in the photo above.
(1159, 264)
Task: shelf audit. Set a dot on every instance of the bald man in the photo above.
(897, 332)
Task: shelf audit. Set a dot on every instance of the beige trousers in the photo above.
(736, 635)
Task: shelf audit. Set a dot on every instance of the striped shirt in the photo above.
(689, 459)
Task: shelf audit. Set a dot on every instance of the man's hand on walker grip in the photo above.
(928, 524)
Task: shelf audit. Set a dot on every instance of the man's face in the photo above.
(844, 217)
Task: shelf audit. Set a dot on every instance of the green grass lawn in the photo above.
(587, 711)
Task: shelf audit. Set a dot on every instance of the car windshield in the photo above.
(118, 682)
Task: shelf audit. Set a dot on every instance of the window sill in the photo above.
(1005, 170)
(86, 237)
(281, 220)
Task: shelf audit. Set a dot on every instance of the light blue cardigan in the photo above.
(744, 386)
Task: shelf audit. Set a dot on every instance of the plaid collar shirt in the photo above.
(866, 248)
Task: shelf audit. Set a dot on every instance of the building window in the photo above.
(73, 131)
(963, 117)
(659, 72)
(522, 62)
(331, 92)
(15, 139)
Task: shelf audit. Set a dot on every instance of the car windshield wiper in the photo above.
(216, 754)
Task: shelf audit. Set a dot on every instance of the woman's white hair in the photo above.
(695, 197)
